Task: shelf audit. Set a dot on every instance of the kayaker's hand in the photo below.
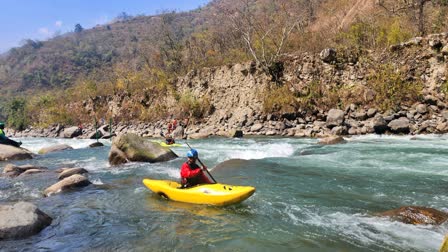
(204, 168)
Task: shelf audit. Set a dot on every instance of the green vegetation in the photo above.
(391, 90)
(16, 110)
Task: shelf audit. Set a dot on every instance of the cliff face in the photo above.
(234, 91)
(347, 102)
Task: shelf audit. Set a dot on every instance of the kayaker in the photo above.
(5, 140)
(191, 173)
(169, 140)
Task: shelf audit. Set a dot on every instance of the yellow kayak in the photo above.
(164, 144)
(210, 194)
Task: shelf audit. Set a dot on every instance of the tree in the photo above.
(123, 16)
(16, 110)
(398, 6)
(266, 30)
(78, 28)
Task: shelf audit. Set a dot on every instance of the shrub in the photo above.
(391, 90)
(279, 99)
(191, 106)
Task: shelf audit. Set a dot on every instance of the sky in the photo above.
(42, 19)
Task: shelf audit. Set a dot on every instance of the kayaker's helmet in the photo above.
(192, 153)
(2, 125)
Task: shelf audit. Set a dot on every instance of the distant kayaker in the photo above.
(191, 173)
(5, 140)
(169, 140)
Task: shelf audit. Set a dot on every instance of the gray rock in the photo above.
(328, 55)
(258, 126)
(339, 130)
(138, 149)
(400, 125)
(13, 171)
(421, 109)
(335, 117)
(95, 135)
(371, 112)
(8, 152)
(21, 220)
(71, 171)
(69, 183)
(72, 132)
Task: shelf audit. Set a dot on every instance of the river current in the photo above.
(309, 197)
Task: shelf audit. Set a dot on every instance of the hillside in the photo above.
(143, 57)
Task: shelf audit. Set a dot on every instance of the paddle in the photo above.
(203, 166)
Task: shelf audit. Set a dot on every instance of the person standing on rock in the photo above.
(5, 140)
(191, 173)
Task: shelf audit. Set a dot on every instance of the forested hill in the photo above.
(149, 52)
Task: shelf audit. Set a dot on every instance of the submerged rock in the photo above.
(332, 140)
(21, 220)
(55, 148)
(96, 144)
(417, 215)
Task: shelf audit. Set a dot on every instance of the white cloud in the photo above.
(58, 23)
(44, 31)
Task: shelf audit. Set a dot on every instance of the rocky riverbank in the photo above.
(429, 117)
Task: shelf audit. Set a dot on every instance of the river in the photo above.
(309, 197)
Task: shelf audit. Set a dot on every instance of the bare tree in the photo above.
(397, 7)
(265, 30)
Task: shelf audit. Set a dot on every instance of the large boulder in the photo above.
(21, 220)
(400, 125)
(335, 117)
(72, 132)
(379, 124)
(8, 152)
(55, 148)
(131, 147)
(417, 215)
(69, 183)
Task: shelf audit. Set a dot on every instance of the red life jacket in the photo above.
(192, 174)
